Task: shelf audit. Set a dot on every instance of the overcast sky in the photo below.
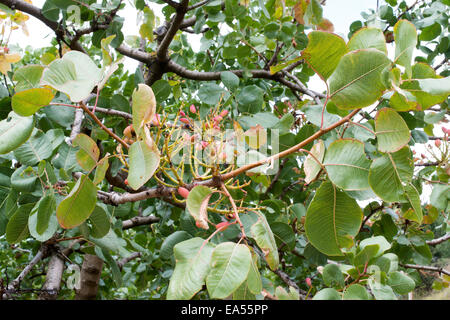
(341, 12)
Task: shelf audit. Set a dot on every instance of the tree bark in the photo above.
(52, 284)
(91, 271)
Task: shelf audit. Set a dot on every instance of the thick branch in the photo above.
(52, 284)
(138, 221)
(439, 240)
(37, 13)
(125, 260)
(257, 73)
(134, 53)
(161, 52)
(91, 271)
(427, 268)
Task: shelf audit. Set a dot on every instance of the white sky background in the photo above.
(341, 12)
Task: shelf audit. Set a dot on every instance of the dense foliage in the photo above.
(219, 172)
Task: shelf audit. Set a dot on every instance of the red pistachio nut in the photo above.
(183, 192)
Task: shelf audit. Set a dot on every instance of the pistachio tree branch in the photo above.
(162, 51)
(37, 13)
(174, 67)
(439, 240)
(426, 268)
(107, 130)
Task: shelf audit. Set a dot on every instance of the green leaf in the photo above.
(364, 256)
(17, 228)
(210, 93)
(25, 103)
(106, 56)
(438, 86)
(66, 158)
(45, 209)
(413, 198)
(143, 162)
(405, 36)
(166, 250)
(391, 130)
(100, 172)
(357, 81)
(381, 291)
(100, 222)
(347, 165)
(333, 276)
(282, 294)
(265, 239)
(34, 222)
(75, 74)
(230, 265)
(112, 243)
(282, 65)
(250, 99)
(327, 294)
(311, 166)
(243, 293)
(356, 292)
(28, 77)
(254, 282)
(389, 173)
(78, 205)
(313, 13)
(324, 51)
(143, 107)
(332, 219)
(50, 11)
(36, 149)
(387, 262)
(115, 271)
(14, 131)
(283, 235)
(193, 259)
(89, 152)
(440, 196)
(23, 179)
(381, 241)
(162, 90)
(366, 38)
(146, 29)
(230, 80)
(400, 282)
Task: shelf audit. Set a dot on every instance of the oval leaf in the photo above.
(144, 160)
(332, 219)
(230, 264)
(143, 107)
(193, 259)
(356, 82)
(14, 131)
(388, 175)
(324, 51)
(75, 74)
(89, 152)
(265, 239)
(78, 205)
(391, 130)
(17, 228)
(347, 165)
(366, 38)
